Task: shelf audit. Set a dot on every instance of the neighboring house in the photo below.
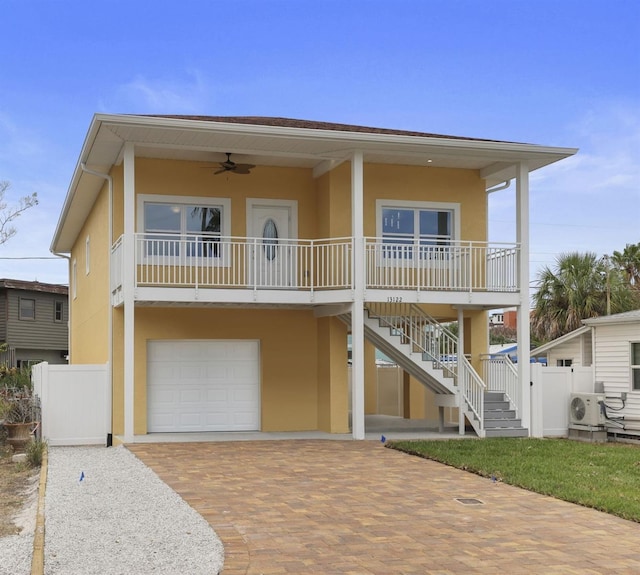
(616, 364)
(572, 349)
(611, 346)
(217, 265)
(506, 318)
(34, 322)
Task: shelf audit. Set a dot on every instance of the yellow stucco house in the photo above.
(217, 265)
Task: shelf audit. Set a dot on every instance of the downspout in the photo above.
(497, 188)
(68, 258)
(109, 180)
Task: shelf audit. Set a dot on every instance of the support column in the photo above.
(128, 286)
(459, 354)
(357, 311)
(524, 337)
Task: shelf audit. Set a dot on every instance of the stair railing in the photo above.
(417, 328)
(472, 390)
(437, 344)
(501, 375)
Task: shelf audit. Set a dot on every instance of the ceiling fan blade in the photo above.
(221, 171)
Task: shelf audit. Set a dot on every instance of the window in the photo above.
(635, 366)
(420, 229)
(87, 256)
(564, 362)
(27, 309)
(189, 226)
(58, 311)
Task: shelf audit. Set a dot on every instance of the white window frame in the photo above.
(225, 226)
(55, 305)
(632, 367)
(87, 255)
(453, 207)
(564, 362)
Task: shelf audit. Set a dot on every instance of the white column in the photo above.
(524, 338)
(459, 354)
(357, 312)
(128, 279)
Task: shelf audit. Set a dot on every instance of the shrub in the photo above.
(16, 378)
(35, 452)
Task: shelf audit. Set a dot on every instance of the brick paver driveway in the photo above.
(354, 507)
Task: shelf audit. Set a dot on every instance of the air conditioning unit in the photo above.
(586, 409)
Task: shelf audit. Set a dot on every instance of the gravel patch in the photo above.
(120, 519)
(15, 554)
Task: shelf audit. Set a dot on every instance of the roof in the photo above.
(312, 125)
(34, 286)
(625, 317)
(262, 141)
(543, 349)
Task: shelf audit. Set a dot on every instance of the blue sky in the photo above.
(552, 72)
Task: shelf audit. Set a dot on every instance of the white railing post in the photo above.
(312, 275)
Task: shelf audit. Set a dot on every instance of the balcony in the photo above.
(196, 268)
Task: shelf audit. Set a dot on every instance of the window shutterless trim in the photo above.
(33, 309)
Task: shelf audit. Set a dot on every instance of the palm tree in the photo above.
(580, 286)
(628, 261)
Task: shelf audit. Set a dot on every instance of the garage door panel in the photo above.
(216, 396)
(242, 395)
(203, 386)
(244, 418)
(190, 396)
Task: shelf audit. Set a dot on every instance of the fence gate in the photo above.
(75, 402)
(551, 390)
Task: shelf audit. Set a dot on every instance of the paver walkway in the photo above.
(357, 508)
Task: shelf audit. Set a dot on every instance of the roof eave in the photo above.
(544, 155)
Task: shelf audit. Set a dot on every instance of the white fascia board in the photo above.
(355, 138)
(612, 319)
(562, 339)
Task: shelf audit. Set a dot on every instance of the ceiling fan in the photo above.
(230, 166)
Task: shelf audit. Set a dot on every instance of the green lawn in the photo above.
(602, 476)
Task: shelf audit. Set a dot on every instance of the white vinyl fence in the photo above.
(550, 392)
(75, 402)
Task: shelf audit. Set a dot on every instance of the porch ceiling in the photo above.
(283, 144)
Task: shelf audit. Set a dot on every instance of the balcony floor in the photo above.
(168, 296)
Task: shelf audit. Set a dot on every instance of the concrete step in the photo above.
(494, 396)
(499, 413)
(507, 432)
(492, 405)
(501, 423)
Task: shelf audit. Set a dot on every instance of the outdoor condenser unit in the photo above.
(586, 409)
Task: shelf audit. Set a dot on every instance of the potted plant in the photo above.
(18, 414)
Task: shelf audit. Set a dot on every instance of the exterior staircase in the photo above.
(499, 417)
(428, 351)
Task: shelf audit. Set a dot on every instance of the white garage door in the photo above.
(203, 385)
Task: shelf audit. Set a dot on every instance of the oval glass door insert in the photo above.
(270, 239)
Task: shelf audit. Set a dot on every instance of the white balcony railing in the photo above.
(455, 265)
(230, 262)
(209, 261)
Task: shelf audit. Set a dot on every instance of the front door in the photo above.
(272, 228)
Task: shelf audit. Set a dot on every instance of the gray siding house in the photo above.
(34, 322)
